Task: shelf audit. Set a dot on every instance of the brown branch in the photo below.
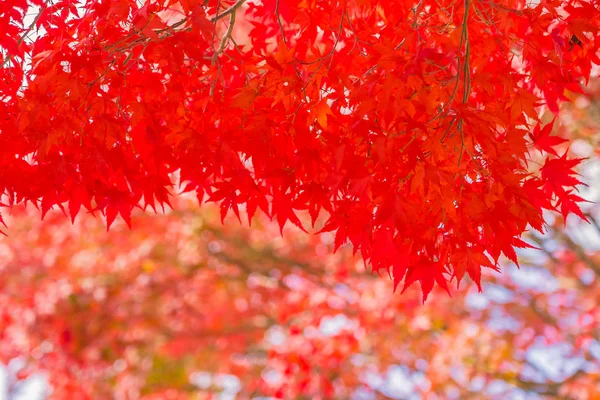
(593, 221)
(464, 38)
(231, 10)
(227, 35)
(279, 22)
(170, 30)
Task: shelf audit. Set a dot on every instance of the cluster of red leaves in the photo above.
(407, 123)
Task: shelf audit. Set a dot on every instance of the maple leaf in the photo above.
(79, 197)
(542, 139)
(118, 203)
(202, 23)
(341, 234)
(558, 174)
(525, 103)
(315, 196)
(41, 57)
(568, 205)
(321, 111)
(50, 200)
(283, 209)
(471, 261)
(245, 97)
(256, 200)
(226, 194)
(426, 273)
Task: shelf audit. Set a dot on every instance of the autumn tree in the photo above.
(424, 134)
(408, 124)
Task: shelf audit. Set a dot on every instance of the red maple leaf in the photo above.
(542, 139)
(426, 273)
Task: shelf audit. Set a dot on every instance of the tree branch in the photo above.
(231, 10)
(24, 35)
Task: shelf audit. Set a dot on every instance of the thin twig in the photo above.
(231, 10)
(24, 35)
(279, 22)
(466, 75)
(226, 36)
